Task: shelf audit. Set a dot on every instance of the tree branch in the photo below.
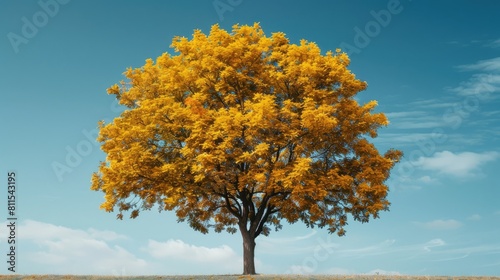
(230, 207)
(269, 211)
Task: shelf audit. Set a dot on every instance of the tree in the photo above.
(240, 131)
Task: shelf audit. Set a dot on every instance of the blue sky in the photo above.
(433, 66)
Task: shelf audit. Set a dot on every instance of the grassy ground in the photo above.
(241, 277)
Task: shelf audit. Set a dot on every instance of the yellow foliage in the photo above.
(240, 129)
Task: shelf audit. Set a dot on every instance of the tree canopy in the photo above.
(241, 131)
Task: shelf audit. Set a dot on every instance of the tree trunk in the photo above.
(248, 253)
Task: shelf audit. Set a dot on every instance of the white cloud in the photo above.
(105, 235)
(215, 260)
(181, 250)
(489, 65)
(64, 250)
(53, 249)
(433, 243)
(441, 224)
(482, 84)
(459, 164)
(479, 85)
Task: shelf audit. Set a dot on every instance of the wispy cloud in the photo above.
(438, 242)
(487, 65)
(414, 120)
(376, 249)
(288, 245)
(457, 252)
(451, 258)
(483, 83)
(479, 85)
(493, 44)
(310, 263)
(441, 224)
(491, 113)
(483, 43)
(430, 250)
(292, 239)
(407, 138)
(409, 114)
(424, 123)
(433, 103)
(456, 164)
